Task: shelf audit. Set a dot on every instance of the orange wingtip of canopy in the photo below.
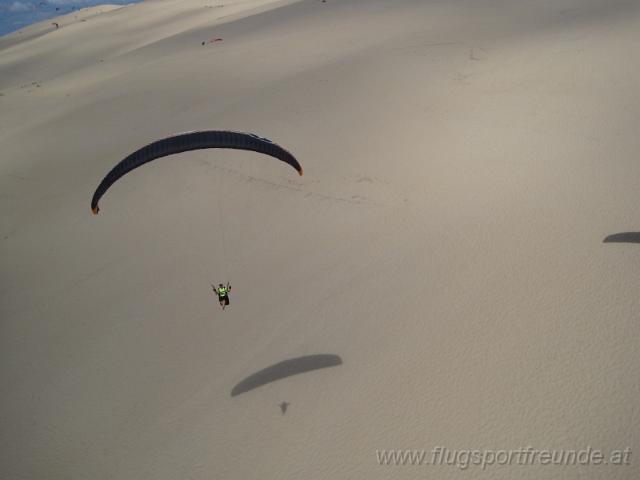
(300, 172)
(95, 210)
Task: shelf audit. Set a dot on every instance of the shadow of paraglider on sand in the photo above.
(623, 237)
(284, 369)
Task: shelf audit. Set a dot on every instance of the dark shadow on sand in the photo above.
(285, 369)
(624, 237)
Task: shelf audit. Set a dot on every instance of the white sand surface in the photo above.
(464, 161)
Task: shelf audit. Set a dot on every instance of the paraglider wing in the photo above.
(192, 141)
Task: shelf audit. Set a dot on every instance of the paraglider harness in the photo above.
(223, 294)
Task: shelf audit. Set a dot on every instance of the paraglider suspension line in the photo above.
(223, 232)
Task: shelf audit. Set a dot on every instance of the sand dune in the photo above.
(465, 163)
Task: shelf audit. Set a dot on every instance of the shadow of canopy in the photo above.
(623, 237)
(285, 369)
